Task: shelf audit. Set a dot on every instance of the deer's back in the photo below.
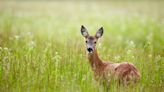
(123, 72)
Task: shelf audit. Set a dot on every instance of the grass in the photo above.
(41, 47)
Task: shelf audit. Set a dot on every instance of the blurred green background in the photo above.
(41, 47)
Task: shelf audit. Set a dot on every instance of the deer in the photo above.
(122, 73)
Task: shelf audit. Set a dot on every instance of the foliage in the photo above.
(41, 48)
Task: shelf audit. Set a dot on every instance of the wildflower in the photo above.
(31, 44)
(5, 48)
(131, 44)
(56, 53)
(99, 44)
(150, 55)
(158, 57)
(133, 57)
(129, 51)
(57, 57)
(117, 58)
(17, 37)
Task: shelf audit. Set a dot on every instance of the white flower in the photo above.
(32, 44)
(158, 57)
(129, 51)
(17, 37)
(150, 55)
(133, 57)
(5, 48)
(99, 44)
(117, 58)
(29, 33)
(131, 43)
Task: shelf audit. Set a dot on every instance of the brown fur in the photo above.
(122, 72)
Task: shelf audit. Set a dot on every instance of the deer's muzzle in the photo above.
(90, 50)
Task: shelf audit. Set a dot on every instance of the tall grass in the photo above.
(41, 48)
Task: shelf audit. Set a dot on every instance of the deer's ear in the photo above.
(99, 33)
(84, 31)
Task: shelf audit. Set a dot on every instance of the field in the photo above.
(42, 49)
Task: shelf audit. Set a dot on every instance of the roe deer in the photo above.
(107, 71)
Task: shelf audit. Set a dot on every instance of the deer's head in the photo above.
(91, 40)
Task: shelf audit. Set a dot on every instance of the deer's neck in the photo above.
(94, 60)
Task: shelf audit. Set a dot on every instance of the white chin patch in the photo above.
(90, 52)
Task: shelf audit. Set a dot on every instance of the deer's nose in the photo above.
(89, 49)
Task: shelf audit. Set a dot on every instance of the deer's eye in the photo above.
(86, 41)
(95, 42)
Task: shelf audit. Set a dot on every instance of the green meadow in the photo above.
(42, 49)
